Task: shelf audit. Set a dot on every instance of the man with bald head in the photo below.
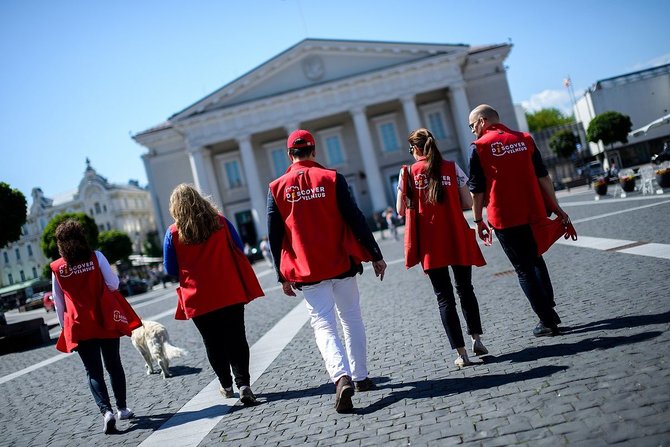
(508, 177)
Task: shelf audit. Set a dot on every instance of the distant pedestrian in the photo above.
(508, 177)
(205, 252)
(265, 250)
(319, 238)
(391, 223)
(445, 239)
(78, 279)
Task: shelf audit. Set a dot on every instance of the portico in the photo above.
(359, 99)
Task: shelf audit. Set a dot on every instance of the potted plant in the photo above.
(600, 186)
(663, 177)
(627, 182)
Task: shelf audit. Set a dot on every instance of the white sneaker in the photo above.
(109, 423)
(462, 360)
(227, 392)
(125, 413)
(478, 348)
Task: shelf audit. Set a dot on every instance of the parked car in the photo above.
(48, 301)
(133, 286)
(662, 156)
(34, 302)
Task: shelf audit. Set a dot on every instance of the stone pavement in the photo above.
(605, 381)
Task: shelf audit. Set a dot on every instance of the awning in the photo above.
(644, 129)
(10, 290)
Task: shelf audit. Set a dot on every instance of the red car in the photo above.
(48, 300)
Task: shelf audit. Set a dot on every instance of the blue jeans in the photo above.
(89, 351)
(520, 247)
(446, 302)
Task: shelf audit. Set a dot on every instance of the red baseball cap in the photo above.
(300, 139)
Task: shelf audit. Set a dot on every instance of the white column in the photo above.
(374, 179)
(460, 109)
(202, 169)
(257, 192)
(411, 112)
(158, 212)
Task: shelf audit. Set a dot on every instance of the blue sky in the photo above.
(79, 77)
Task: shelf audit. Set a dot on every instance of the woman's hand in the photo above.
(288, 288)
(380, 268)
(484, 233)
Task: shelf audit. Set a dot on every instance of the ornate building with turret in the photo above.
(126, 208)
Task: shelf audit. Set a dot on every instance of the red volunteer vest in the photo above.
(82, 286)
(513, 194)
(444, 235)
(318, 244)
(212, 275)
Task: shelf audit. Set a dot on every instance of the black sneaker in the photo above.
(247, 396)
(343, 394)
(365, 385)
(545, 331)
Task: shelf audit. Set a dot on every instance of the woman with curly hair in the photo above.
(78, 279)
(444, 237)
(216, 280)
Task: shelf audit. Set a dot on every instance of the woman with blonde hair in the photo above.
(444, 237)
(216, 280)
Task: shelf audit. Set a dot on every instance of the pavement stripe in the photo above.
(614, 213)
(617, 201)
(200, 415)
(597, 243)
(652, 249)
(46, 362)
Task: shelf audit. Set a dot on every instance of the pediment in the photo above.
(313, 62)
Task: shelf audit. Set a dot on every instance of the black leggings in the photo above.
(89, 351)
(223, 333)
(447, 303)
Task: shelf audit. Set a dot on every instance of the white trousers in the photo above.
(323, 300)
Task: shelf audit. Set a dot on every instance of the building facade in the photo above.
(642, 95)
(360, 99)
(125, 208)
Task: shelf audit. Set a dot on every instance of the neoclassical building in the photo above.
(125, 208)
(360, 99)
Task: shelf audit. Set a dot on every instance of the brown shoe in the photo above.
(344, 391)
(365, 385)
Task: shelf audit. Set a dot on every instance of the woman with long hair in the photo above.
(78, 278)
(444, 237)
(216, 280)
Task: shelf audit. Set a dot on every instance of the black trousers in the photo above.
(225, 339)
(520, 247)
(89, 351)
(441, 282)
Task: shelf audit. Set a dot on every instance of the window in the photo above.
(18, 254)
(104, 208)
(109, 227)
(34, 272)
(388, 135)
(10, 278)
(97, 208)
(334, 152)
(30, 250)
(436, 125)
(233, 174)
(90, 212)
(43, 223)
(4, 253)
(23, 276)
(280, 161)
(101, 227)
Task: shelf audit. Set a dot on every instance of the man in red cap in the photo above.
(319, 240)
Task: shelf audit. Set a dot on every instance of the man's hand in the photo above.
(288, 288)
(484, 233)
(562, 215)
(380, 268)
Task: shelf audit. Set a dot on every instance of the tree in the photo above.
(609, 127)
(14, 212)
(563, 143)
(48, 243)
(545, 118)
(152, 246)
(115, 245)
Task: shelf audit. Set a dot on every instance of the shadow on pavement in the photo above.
(426, 389)
(619, 323)
(182, 370)
(565, 349)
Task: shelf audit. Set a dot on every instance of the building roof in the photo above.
(631, 77)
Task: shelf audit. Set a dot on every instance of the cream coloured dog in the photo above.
(153, 342)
